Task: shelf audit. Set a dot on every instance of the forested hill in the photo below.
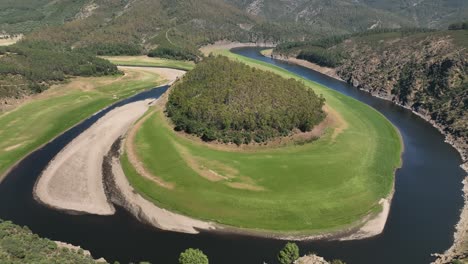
(31, 67)
(229, 101)
(178, 27)
(353, 16)
(424, 71)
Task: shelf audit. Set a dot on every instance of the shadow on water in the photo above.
(423, 214)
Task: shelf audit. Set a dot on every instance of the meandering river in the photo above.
(425, 208)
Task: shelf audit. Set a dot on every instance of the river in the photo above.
(424, 211)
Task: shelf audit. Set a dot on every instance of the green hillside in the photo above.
(20, 245)
(27, 15)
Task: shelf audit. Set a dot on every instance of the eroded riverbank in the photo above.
(459, 248)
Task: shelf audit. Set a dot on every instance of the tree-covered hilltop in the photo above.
(231, 102)
(30, 67)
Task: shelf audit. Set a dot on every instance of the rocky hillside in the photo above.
(354, 16)
(338, 16)
(424, 71)
(425, 13)
(138, 26)
(20, 245)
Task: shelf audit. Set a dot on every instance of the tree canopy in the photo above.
(288, 254)
(229, 101)
(193, 256)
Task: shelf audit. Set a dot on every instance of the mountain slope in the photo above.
(425, 13)
(146, 24)
(424, 71)
(27, 15)
(353, 16)
(339, 15)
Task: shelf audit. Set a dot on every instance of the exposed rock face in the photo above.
(311, 259)
(427, 75)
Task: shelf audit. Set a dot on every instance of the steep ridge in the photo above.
(426, 72)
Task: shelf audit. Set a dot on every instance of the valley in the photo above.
(220, 131)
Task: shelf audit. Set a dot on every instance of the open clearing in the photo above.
(150, 62)
(44, 116)
(7, 41)
(327, 185)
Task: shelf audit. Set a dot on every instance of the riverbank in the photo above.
(30, 123)
(73, 179)
(330, 72)
(228, 45)
(459, 248)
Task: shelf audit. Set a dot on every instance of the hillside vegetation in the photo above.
(20, 245)
(229, 101)
(28, 68)
(424, 71)
(159, 27)
(347, 16)
(175, 29)
(27, 15)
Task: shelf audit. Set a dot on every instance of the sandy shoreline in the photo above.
(120, 192)
(73, 179)
(228, 45)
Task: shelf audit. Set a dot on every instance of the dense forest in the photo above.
(20, 245)
(31, 67)
(229, 101)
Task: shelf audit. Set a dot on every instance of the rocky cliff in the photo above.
(427, 74)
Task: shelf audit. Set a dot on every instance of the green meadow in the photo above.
(45, 116)
(146, 61)
(325, 185)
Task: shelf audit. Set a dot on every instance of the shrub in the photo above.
(288, 254)
(193, 256)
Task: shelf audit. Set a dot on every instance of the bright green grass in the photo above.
(322, 186)
(42, 119)
(150, 62)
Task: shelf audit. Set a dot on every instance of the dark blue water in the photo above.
(424, 211)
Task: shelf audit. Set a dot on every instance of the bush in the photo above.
(458, 26)
(173, 53)
(112, 49)
(337, 261)
(288, 254)
(193, 256)
(321, 56)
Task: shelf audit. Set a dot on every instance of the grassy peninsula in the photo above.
(325, 185)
